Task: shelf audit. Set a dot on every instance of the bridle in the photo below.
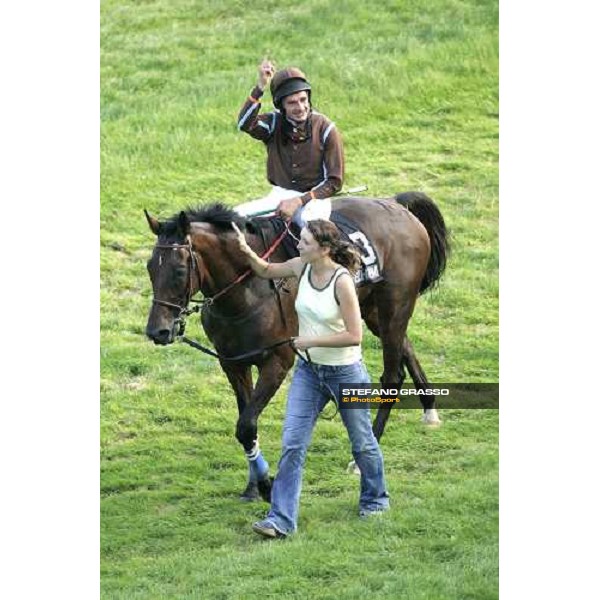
(194, 267)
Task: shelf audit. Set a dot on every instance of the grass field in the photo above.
(413, 87)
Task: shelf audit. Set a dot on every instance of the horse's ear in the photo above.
(183, 223)
(154, 223)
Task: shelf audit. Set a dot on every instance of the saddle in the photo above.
(370, 271)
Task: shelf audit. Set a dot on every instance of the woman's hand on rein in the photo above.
(301, 343)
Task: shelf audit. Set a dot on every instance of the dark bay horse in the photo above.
(197, 250)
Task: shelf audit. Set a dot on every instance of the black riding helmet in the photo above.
(288, 81)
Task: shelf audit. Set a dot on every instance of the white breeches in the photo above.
(315, 209)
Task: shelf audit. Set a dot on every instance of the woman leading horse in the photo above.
(330, 327)
(197, 250)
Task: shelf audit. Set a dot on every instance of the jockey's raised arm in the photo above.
(305, 155)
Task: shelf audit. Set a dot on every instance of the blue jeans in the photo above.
(306, 399)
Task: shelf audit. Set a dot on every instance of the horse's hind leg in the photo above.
(430, 415)
(387, 330)
(395, 305)
(371, 317)
(409, 360)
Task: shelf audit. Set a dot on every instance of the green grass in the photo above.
(413, 87)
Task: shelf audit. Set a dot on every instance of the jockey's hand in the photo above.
(287, 208)
(241, 240)
(266, 70)
(301, 343)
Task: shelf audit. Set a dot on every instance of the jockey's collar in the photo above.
(298, 132)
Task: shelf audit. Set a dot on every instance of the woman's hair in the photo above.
(327, 235)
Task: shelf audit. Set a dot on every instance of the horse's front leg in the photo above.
(271, 374)
(240, 379)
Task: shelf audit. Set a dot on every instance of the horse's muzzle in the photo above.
(162, 337)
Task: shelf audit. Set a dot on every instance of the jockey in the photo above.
(305, 155)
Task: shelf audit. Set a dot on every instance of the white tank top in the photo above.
(320, 314)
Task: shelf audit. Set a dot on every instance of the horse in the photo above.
(249, 320)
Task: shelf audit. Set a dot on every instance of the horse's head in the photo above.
(174, 272)
(192, 251)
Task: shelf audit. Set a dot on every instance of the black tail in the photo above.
(429, 214)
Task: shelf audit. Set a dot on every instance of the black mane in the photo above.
(218, 214)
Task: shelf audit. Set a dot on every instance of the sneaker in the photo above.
(267, 529)
(365, 513)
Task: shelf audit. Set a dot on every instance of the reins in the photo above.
(245, 274)
(331, 395)
(239, 357)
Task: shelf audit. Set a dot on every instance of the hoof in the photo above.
(431, 418)
(352, 468)
(250, 494)
(264, 488)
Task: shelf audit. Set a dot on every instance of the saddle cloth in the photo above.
(370, 271)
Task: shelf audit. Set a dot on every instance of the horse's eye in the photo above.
(180, 274)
